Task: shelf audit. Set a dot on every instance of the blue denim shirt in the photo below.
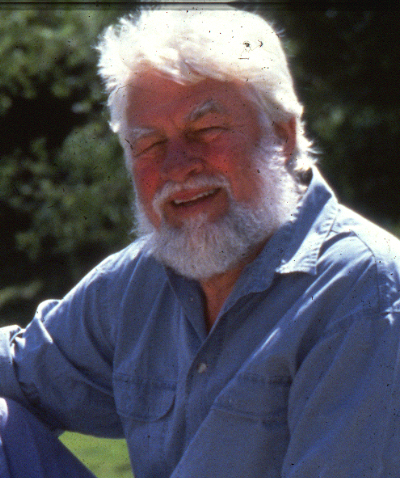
(299, 376)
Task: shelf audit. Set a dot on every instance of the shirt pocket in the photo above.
(255, 397)
(145, 407)
(143, 399)
(251, 413)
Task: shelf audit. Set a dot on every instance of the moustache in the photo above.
(200, 181)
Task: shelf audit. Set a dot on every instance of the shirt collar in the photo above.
(310, 226)
(293, 248)
(296, 245)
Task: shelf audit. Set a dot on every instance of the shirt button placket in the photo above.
(197, 401)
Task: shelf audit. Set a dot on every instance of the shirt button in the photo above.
(202, 367)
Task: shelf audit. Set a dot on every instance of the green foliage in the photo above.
(64, 192)
(347, 65)
(49, 47)
(76, 200)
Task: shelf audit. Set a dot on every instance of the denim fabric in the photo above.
(299, 376)
(29, 450)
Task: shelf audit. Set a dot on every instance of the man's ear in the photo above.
(287, 133)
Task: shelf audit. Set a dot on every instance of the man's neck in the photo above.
(216, 291)
(218, 288)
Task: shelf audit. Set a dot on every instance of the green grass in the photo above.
(104, 457)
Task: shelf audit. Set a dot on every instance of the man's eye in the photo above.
(148, 147)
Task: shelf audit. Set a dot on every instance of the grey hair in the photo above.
(190, 45)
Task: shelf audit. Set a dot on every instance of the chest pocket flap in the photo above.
(143, 399)
(254, 396)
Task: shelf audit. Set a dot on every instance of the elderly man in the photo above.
(253, 328)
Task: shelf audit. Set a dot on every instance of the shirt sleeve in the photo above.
(60, 366)
(343, 404)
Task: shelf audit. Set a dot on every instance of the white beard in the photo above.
(201, 249)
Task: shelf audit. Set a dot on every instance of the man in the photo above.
(252, 330)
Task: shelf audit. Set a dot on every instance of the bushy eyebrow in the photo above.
(209, 106)
(135, 134)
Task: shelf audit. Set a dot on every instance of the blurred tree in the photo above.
(347, 69)
(64, 193)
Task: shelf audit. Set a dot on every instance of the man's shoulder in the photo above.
(346, 234)
(122, 266)
(363, 236)
(126, 257)
(365, 255)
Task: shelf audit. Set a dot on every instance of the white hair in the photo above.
(190, 45)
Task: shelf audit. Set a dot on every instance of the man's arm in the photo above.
(60, 367)
(343, 403)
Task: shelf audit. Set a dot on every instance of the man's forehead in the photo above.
(156, 100)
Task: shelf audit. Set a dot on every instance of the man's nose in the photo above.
(183, 158)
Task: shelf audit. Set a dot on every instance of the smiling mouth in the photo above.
(195, 199)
